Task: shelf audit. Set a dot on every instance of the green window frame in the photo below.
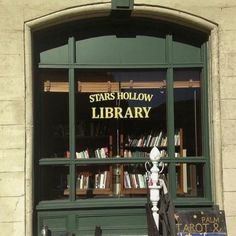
(174, 56)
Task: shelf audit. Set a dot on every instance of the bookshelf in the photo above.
(133, 179)
(96, 146)
(92, 181)
(102, 145)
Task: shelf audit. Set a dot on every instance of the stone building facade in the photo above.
(18, 19)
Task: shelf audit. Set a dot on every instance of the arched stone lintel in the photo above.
(104, 9)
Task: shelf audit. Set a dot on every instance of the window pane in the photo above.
(134, 180)
(54, 184)
(187, 111)
(94, 181)
(54, 113)
(119, 114)
(189, 180)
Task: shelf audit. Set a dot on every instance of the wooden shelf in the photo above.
(106, 191)
(134, 191)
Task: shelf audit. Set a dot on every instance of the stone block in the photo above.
(12, 228)
(12, 184)
(227, 43)
(228, 176)
(11, 65)
(227, 64)
(228, 156)
(229, 203)
(227, 87)
(12, 136)
(11, 16)
(228, 132)
(227, 18)
(12, 209)
(231, 226)
(12, 160)
(12, 87)
(12, 112)
(13, 41)
(227, 113)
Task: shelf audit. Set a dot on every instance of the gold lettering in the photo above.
(146, 111)
(97, 97)
(91, 98)
(216, 227)
(118, 112)
(119, 96)
(148, 97)
(191, 228)
(112, 97)
(94, 116)
(178, 226)
(138, 112)
(126, 95)
(108, 112)
(101, 112)
(186, 229)
(199, 228)
(128, 113)
(205, 227)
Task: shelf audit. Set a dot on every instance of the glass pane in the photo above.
(123, 113)
(54, 114)
(54, 184)
(133, 180)
(189, 180)
(119, 115)
(146, 127)
(94, 181)
(187, 112)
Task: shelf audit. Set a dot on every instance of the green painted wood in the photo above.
(57, 55)
(105, 50)
(115, 160)
(122, 5)
(205, 126)
(92, 203)
(111, 49)
(113, 221)
(57, 222)
(83, 222)
(186, 53)
(72, 122)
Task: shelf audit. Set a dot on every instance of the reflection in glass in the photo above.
(93, 181)
(187, 109)
(54, 114)
(189, 180)
(54, 183)
(124, 112)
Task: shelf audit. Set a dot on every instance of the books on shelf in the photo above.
(101, 180)
(152, 139)
(135, 181)
(82, 155)
(101, 152)
(141, 154)
(98, 153)
(82, 182)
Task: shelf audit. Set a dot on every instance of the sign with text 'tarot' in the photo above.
(201, 223)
